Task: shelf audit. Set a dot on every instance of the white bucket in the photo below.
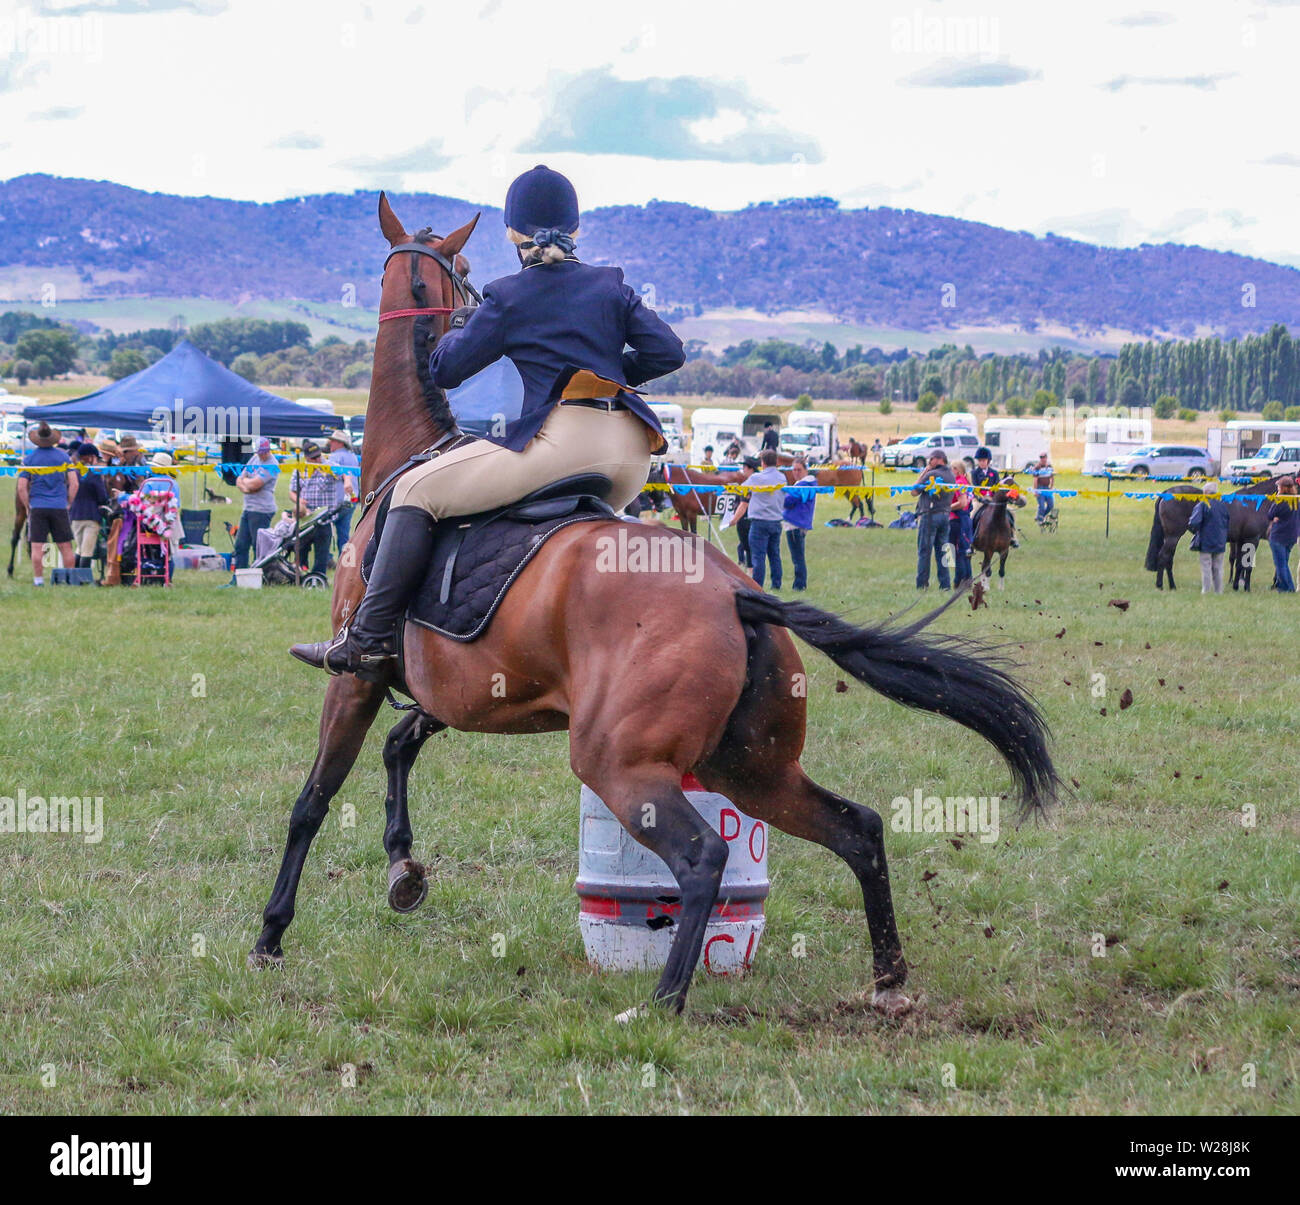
(249, 579)
(629, 902)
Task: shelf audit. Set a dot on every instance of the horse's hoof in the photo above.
(260, 960)
(629, 1015)
(891, 1002)
(407, 885)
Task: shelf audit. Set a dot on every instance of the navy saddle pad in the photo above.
(476, 558)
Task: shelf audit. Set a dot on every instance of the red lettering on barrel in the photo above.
(708, 966)
(723, 816)
(760, 832)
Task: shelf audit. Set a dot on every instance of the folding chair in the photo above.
(195, 525)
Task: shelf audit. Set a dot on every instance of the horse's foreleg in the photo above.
(350, 707)
(1002, 571)
(407, 884)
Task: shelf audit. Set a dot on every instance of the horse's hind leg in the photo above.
(649, 803)
(350, 707)
(756, 766)
(1002, 571)
(407, 884)
(793, 803)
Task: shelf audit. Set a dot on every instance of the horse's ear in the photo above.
(388, 223)
(458, 238)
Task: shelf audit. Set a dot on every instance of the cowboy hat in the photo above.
(342, 437)
(44, 436)
(161, 460)
(130, 443)
(108, 448)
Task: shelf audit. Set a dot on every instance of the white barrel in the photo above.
(629, 903)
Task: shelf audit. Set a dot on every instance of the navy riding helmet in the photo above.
(543, 202)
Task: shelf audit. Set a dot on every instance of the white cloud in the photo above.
(1109, 115)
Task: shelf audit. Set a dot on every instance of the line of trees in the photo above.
(1254, 373)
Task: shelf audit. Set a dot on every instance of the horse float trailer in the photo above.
(1016, 443)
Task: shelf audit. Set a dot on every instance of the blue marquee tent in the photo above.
(185, 393)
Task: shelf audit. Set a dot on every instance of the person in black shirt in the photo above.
(771, 438)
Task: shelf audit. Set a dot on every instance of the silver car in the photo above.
(1162, 460)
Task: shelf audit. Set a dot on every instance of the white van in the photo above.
(811, 434)
(669, 415)
(321, 404)
(716, 428)
(1017, 443)
(1110, 437)
(1272, 460)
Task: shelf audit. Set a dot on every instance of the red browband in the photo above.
(436, 309)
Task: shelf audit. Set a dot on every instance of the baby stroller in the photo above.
(279, 562)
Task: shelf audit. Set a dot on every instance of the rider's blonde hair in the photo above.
(537, 255)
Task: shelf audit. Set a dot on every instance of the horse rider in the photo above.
(985, 479)
(567, 327)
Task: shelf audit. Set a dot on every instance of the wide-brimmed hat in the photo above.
(108, 448)
(342, 437)
(43, 435)
(161, 460)
(129, 444)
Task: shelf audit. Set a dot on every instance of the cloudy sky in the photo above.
(1108, 122)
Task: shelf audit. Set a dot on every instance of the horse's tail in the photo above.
(1156, 542)
(950, 675)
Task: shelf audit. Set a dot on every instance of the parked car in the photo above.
(1272, 460)
(1162, 460)
(914, 451)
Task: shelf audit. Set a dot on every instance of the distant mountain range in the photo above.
(874, 267)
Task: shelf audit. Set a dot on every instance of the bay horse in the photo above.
(1247, 525)
(858, 453)
(701, 683)
(1167, 527)
(993, 531)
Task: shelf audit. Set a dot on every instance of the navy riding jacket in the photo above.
(550, 320)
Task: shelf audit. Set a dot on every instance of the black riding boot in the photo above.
(367, 646)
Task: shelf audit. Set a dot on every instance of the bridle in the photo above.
(424, 337)
(418, 246)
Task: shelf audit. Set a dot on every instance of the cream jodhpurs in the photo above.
(574, 439)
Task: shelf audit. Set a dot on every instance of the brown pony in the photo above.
(706, 680)
(858, 453)
(993, 533)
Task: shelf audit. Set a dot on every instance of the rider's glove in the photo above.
(460, 317)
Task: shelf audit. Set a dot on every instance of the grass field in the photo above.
(124, 978)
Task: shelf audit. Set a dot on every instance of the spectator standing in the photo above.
(877, 451)
(311, 488)
(1283, 531)
(92, 493)
(47, 496)
(1044, 479)
(771, 438)
(342, 457)
(960, 532)
(798, 511)
(257, 483)
(764, 509)
(933, 507)
(707, 462)
(1209, 524)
